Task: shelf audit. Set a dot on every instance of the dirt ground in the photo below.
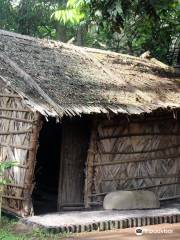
(154, 232)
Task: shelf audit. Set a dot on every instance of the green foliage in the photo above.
(8, 232)
(72, 16)
(7, 15)
(4, 166)
(131, 26)
(136, 26)
(74, 12)
(3, 181)
(33, 16)
(5, 235)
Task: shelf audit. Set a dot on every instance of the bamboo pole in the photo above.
(15, 132)
(139, 135)
(133, 121)
(17, 119)
(142, 177)
(134, 161)
(16, 185)
(143, 151)
(14, 197)
(154, 186)
(100, 203)
(134, 189)
(15, 146)
(14, 110)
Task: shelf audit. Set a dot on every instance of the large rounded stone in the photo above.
(122, 200)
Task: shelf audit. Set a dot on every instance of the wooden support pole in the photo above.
(31, 164)
(89, 168)
(17, 119)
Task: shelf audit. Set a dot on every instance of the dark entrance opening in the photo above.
(60, 168)
(47, 169)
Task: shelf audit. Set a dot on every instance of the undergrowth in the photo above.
(8, 232)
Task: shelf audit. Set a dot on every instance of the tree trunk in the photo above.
(61, 32)
(81, 32)
(80, 37)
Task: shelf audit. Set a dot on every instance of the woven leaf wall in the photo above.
(18, 142)
(135, 155)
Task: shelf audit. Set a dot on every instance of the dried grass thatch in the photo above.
(61, 79)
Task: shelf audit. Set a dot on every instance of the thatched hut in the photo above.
(83, 122)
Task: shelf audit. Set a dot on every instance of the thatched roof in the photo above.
(63, 79)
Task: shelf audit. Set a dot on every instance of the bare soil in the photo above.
(168, 232)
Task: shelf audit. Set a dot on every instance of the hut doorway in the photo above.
(75, 144)
(47, 168)
(60, 166)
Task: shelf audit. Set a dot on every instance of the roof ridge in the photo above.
(17, 35)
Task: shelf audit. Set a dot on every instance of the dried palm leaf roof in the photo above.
(61, 79)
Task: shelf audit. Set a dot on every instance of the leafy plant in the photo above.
(135, 26)
(3, 181)
(73, 13)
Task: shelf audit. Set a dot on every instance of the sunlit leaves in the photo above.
(78, 4)
(72, 16)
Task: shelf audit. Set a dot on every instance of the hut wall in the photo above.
(134, 155)
(18, 142)
(74, 146)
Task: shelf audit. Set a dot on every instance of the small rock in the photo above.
(122, 200)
